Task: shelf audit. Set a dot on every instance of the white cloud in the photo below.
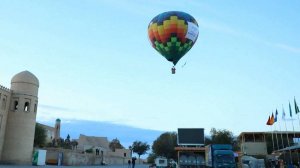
(287, 48)
(223, 28)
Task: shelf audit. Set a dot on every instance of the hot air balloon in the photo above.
(173, 34)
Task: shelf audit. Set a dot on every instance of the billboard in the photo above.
(190, 136)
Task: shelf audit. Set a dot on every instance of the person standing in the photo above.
(129, 163)
(133, 162)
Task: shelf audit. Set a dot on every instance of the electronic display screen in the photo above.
(190, 136)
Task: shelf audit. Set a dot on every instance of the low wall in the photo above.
(77, 158)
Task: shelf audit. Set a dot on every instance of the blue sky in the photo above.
(95, 63)
(126, 134)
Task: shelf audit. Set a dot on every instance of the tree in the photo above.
(59, 142)
(115, 144)
(165, 145)
(68, 139)
(39, 136)
(140, 148)
(151, 158)
(67, 143)
(207, 140)
(221, 136)
(74, 144)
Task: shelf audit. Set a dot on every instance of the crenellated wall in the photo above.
(3, 88)
(5, 97)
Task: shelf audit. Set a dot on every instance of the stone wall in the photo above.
(5, 95)
(77, 158)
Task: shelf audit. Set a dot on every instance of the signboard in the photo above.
(192, 32)
(190, 136)
(39, 158)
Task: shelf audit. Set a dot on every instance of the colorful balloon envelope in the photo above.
(173, 34)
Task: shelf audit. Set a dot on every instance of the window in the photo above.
(26, 106)
(3, 103)
(16, 105)
(1, 116)
(35, 107)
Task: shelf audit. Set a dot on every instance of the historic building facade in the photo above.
(18, 109)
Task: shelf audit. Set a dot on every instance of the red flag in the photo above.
(272, 119)
(269, 121)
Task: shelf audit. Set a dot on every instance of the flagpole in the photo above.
(276, 132)
(293, 129)
(281, 139)
(298, 139)
(276, 137)
(272, 139)
(287, 135)
(296, 111)
(295, 138)
(281, 134)
(298, 119)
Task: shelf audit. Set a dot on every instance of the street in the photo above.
(51, 166)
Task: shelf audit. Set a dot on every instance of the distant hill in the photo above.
(125, 134)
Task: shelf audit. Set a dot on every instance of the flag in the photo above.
(296, 106)
(269, 121)
(272, 119)
(290, 110)
(283, 114)
(276, 113)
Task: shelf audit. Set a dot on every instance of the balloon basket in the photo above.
(173, 70)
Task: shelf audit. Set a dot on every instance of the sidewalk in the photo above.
(48, 166)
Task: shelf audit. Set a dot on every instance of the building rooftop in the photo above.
(94, 141)
(25, 77)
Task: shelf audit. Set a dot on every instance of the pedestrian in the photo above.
(133, 162)
(129, 163)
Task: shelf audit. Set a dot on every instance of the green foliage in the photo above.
(151, 158)
(89, 150)
(49, 144)
(68, 139)
(140, 147)
(236, 145)
(63, 143)
(74, 144)
(60, 142)
(207, 141)
(165, 145)
(67, 143)
(115, 144)
(39, 136)
(221, 136)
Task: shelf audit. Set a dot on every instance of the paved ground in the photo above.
(107, 166)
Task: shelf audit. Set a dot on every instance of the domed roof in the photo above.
(25, 77)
